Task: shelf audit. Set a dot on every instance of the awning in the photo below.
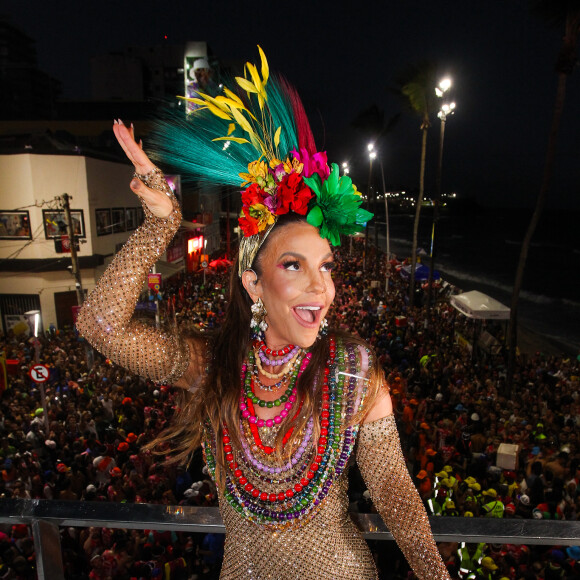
(476, 304)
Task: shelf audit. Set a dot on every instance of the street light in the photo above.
(345, 168)
(372, 155)
(446, 110)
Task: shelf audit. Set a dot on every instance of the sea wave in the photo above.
(485, 281)
(545, 245)
(571, 303)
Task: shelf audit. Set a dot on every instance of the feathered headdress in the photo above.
(260, 134)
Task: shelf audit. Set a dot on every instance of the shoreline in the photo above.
(529, 340)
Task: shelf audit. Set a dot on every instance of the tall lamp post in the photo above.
(387, 233)
(372, 156)
(446, 110)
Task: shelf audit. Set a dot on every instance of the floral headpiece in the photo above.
(288, 175)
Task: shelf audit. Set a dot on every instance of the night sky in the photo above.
(344, 56)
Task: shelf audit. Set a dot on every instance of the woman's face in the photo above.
(296, 286)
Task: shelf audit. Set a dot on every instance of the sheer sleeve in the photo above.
(383, 468)
(105, 318)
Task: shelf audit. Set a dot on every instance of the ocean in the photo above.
(480, 251)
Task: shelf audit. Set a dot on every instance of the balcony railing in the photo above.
(46, 517)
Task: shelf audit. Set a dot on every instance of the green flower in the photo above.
(335, 209)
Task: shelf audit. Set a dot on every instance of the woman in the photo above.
(278, 409)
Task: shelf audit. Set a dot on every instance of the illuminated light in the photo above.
(445, 84)
(165, 37)
(345, 164)
(438, 92)
(194, 244)
(370, 146)
(372, 155)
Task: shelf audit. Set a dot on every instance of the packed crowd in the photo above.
(453, 408)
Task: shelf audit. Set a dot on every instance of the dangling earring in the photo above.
(323, 330)
(258, 324)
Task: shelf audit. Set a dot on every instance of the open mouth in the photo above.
(307, 315)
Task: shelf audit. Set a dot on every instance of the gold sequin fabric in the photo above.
(383, 468)
(328, 546)
(105, 318)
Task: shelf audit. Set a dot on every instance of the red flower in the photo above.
(303, 196)
(248, 224)
(252, 195)
(293, 195)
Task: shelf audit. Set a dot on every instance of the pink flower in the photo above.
(316, 163)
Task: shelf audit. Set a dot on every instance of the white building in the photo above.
(33, 273)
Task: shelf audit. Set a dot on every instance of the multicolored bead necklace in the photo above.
(305, 480)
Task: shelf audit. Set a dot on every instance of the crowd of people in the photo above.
(454, 408)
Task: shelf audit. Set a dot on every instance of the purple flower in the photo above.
(279, 172)
(270, 203)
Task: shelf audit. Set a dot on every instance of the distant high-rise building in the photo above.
(27, 92)
(142, 73)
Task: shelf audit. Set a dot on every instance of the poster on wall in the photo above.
(18, 324)
(54, 221)
(118, 214)
(15, 225)
(103, 219)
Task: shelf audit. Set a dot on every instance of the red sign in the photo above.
(154, 282)
(39, 373)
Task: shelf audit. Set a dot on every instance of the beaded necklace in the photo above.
(286, 370)
(270, 388)
(286, 356)
(301, 484)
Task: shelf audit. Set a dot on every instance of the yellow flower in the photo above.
(256, 170)
(260, 212)
(356, 191)
(293, 164)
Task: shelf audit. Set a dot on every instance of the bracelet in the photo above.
(154, 179)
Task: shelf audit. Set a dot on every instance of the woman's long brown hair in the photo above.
(217, 399)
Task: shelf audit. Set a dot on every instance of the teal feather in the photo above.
(185, 144)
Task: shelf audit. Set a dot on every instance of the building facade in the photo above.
(35, 265)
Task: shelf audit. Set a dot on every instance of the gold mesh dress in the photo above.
(325, 544)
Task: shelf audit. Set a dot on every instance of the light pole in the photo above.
(372, 155)
(446, 110)
(387, 233)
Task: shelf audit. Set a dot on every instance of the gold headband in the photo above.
(249, 247)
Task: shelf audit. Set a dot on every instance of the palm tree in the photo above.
(417, 86)
(564, 13)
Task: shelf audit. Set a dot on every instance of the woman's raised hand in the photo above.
(157, 201)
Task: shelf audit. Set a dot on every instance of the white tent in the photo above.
(476, 304)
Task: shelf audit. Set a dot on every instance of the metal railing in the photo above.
(46, 517)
